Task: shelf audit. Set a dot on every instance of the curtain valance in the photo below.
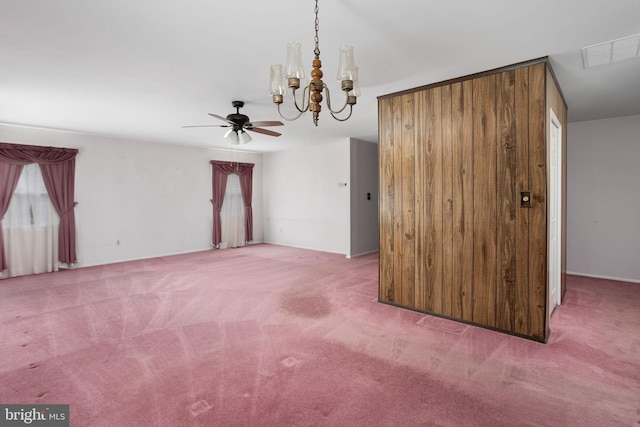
(19, 154)
(232, 167)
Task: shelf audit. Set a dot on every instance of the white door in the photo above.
(555, 206)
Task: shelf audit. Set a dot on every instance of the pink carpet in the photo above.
(274, 336)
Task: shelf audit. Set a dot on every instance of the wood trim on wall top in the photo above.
(544, 59)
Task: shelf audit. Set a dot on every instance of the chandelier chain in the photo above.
(316, 51)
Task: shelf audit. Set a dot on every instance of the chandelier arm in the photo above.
(289, 118)
(329, 103)
(305, 102)
(346, 118)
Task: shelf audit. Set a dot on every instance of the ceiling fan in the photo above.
(239, 123)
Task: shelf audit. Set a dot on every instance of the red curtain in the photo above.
(58, 171)
(9, 176)
(60, 183)
(246, 185)
(220, 172)
(219, 187)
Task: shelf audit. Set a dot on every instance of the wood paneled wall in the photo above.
(454, 240)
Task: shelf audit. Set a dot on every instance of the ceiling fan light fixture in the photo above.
(232, 136)
(245, 137)
(312, 97)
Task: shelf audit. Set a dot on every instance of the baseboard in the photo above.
(363, 253)
(307, 248)
(97, 264)
(596, 276)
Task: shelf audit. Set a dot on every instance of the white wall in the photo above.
(364, 212)
(304, 206)
(154, 199)
(603, 198)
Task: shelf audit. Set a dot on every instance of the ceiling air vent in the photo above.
(611, 51)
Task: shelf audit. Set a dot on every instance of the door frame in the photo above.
(554, 270)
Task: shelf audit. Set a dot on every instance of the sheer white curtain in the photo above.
(232, 214)
(30, 227)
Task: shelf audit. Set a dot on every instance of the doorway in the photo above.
(555, 211)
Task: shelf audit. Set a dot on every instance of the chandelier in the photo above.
(293, 73)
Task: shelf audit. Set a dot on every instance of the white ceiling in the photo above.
(140, 69)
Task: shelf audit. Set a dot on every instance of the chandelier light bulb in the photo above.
(293, 68)
(346, 66)
(356, 85)
(277, 84)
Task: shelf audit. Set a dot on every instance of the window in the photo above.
(232, 214)
(30, 226)
(30, 204)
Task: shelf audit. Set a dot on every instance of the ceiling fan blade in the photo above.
(224, 119)
(264, 131)
(206, 126)
(268, 123)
